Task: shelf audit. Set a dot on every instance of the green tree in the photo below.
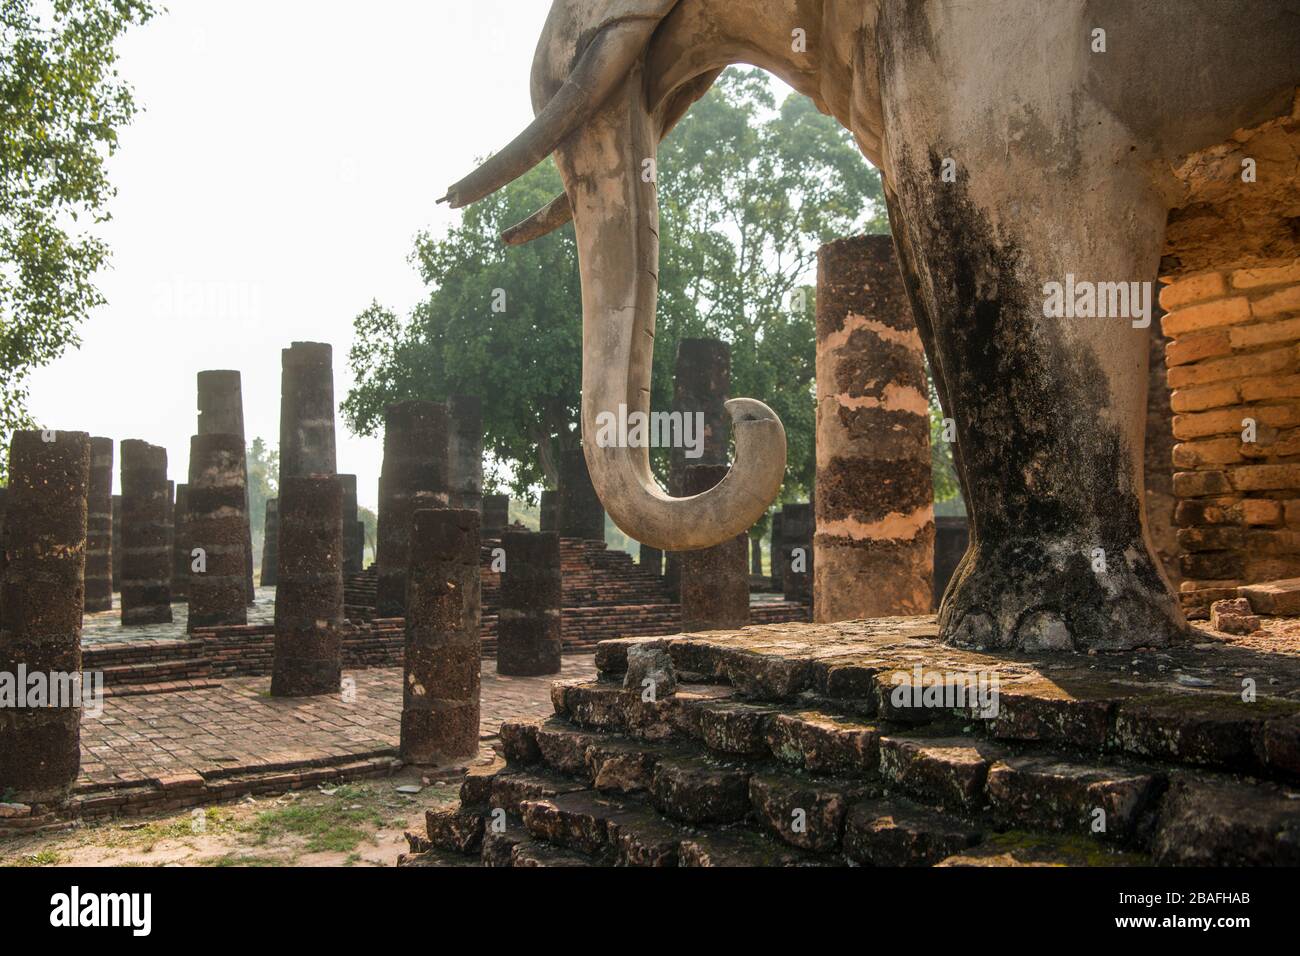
(748, 191)
(62, 104)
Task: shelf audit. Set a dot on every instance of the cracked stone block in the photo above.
(1206, 822)
(701, 791)
(455, 829)
(519, 742)
(735, 728)
(652, 663)
(824, 743)
(1233, 617)
(949, 770)
(808, 814)
(894, 832)
(1043, 793)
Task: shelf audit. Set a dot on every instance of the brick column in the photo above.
(951, 537)
(216, 496)
(41, 607)
(715, 581)
(221, 412)
(777, 540)
(550, 511)
(528, 623)
(271, 543)
(581, 514)
(354, 533)
(181, 558)
(874, 491)
(1234, 367)
(146, 553)
(309, 595)
(307, 410)
(797, 532)
(99, 527)
(652, 559)
(1159, 459)
(496, 515)
(118, 558)
(440, 692)
(465, 451)
(415, 461)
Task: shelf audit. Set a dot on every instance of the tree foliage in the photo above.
(62, 103)
(748, 191)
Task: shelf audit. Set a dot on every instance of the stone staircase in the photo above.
(793, 745)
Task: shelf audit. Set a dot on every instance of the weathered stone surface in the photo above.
(519, 742)
(307, 410)
(476, 788)
(807, 813)
(580, 513)
(1279, 746)
(511, 788)
(576, 821)
(650, 662)
(1280, 598)
(498, 848)
(443, 651)
(530, 853)
(309, 591)
(181, 544)
(146, 555)
(465, 452)
(41, 592)
(415, 462)
(271, 543)
(1053, 795)
(950, 771)
(528, 622)
(354, 531)
(1017, 848)
(563, 748)
(701, 791)
(735, 728)
(874, 498)
(714, 581)
(1233, 616)
(455, 829)
(895, 832)
(221, 412)
(496, 515)
(740, 847)
(1205, 822)
(622, 766)
(1208, 730)
(824, 743)
(1047, 712)
(217, 526)
(118, 558)
(99, 527)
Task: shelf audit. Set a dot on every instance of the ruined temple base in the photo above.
(788, 745)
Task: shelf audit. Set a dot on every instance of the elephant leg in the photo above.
(1007, 185)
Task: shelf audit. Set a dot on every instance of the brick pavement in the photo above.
(237, 728)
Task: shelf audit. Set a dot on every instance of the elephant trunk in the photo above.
(608, 167)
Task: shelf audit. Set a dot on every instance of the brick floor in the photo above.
(237, 726)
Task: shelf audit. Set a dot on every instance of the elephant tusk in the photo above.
(546, 220)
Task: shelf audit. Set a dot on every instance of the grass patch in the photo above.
(336, 826)
(42, 858)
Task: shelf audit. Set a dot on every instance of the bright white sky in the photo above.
(288, 153)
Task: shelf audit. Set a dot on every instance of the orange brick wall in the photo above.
(1234, 355)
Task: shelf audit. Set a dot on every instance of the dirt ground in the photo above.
(351, 824)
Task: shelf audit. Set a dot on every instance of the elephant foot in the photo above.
(1034, 595)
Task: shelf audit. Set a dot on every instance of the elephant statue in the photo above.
(1024, 146)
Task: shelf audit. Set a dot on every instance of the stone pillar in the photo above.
(465, 451)
(181, 544)
(951, 536)
(221, 412)
(415, 461)
(715, 581)
(99, 527)
(496, 515)
(146, 554)
(43, 563)
(756, 557)
(218, 593)
(440, 693)
(774, 555)
(307, 410)
(652, 559)
(580, 511)
(874, 493)
(354, 532)
(309, 594)
(171, 526)
(797, 552)
(117, 559)
(271, 543)
(528, 623)
(550, 508)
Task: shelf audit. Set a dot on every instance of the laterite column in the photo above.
(528, 622)
(550, 511)
(652, 559)
(118, 553)
(309, 595)
(99, 527)
(307, 410)
(496, 515)
(146, 552)
(465, 451)
(415, 461)
(41, 607)
(874, 494)
(354, 541)
(271, 543)
(181, 558)
(797, 552)
(221, 412)
(715, 581)
(218, 588)
(440, 690)
(581, 514)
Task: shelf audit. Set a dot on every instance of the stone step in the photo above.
(618, 831)
(897, 832)
(1017, 848)
(1211, 821)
